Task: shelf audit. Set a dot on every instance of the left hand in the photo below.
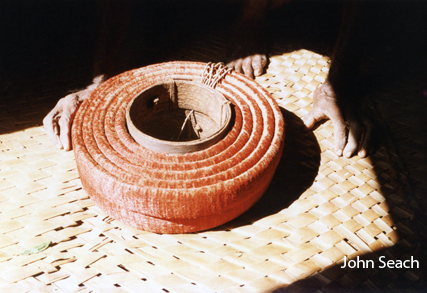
(58, 122)
(251, 66)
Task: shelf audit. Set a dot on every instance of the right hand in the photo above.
(58, 122)
(353, 128)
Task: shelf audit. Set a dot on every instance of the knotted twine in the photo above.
(176, 193)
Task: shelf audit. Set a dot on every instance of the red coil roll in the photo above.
(176, 193)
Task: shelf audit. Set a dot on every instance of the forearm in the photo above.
(113, 22)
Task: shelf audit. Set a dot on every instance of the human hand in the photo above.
(58, 122)
(352, 128)
(251, 66)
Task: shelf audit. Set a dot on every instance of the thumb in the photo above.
(65, 124)
(309, 119)
(258, 70)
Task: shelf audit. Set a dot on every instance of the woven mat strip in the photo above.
(340, 208)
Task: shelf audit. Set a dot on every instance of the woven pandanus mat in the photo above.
(319, 211)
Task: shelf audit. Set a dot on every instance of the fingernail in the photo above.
(362, 153)
(348, 154)
(339, 153)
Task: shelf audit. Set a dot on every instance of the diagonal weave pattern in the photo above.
(340, 208)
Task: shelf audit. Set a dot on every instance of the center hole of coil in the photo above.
(178, 111)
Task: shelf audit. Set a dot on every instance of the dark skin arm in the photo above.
(340, 97)
(329, 102)
(249, 55)
(249, 48)
(113, 21)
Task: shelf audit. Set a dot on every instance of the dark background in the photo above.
(47, 50)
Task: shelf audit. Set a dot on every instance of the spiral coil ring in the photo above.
(176, 193)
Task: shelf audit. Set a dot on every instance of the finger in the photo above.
(51, 127)
(367, 139)
(309, 120)
(65, 124)
(66, 120)
(340, 138)
(340, 130)
(258, 64)
(312, 117)
(238, 66)
(231, 65)
(247, 67)
(354, 138)
(50, 121)
(263, 60)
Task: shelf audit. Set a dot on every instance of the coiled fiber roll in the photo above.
(176, 193)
